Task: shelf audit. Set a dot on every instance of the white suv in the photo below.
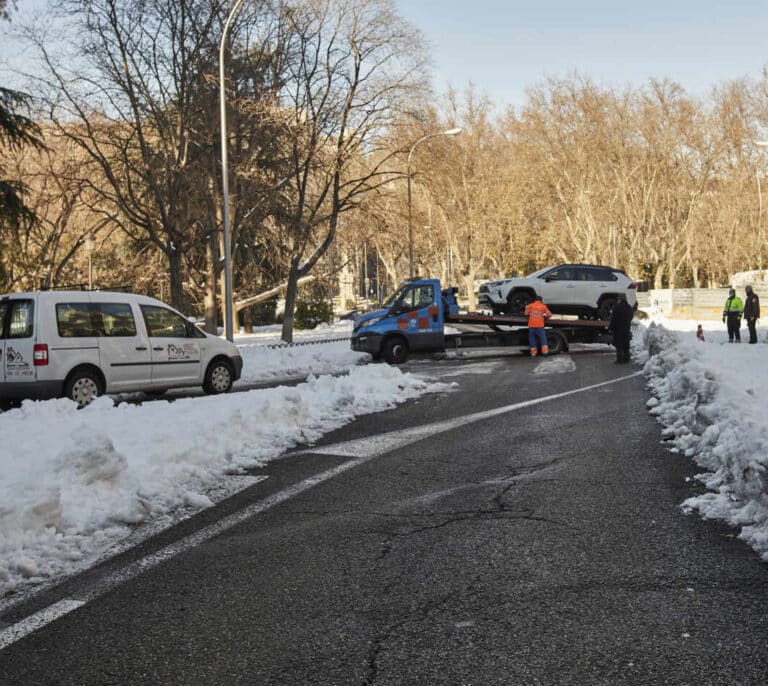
(587, 290)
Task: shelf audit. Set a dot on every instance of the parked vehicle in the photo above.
(414, 319)
(351, 315)
(81, 345)
(587, 290)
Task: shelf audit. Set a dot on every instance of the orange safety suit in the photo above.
(537, 312)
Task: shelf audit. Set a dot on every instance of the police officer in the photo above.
(752, 313)
(732, 316)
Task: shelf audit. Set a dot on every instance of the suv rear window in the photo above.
(601, 274)
(17, 319)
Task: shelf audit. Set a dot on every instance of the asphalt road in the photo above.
(542, 544)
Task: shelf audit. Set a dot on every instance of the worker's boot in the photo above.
(534, 352)
(544, 350)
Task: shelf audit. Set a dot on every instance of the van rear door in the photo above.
(18, 352)
(4, 307)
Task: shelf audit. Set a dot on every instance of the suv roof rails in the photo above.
(594, 266)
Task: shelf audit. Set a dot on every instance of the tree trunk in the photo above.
(210, 289)
(290, 301)
(248, 320)
(469, 284)
(178, 298)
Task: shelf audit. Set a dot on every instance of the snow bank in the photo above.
(262, 363)
(75, 482)
(708, 396)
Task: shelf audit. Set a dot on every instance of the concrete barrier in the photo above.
(694, 303)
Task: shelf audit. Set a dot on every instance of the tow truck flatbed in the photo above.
(414, 320)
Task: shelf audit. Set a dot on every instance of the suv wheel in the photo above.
(605, 308)
(518, 301)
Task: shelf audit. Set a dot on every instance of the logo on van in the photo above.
(181, 352)
(15, 363)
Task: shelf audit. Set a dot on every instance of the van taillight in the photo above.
(633, 285)
(40, 354)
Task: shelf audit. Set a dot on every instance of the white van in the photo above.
(79, 345)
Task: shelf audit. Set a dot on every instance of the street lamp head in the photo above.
(458, 130)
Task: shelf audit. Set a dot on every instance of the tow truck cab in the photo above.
(411, 320)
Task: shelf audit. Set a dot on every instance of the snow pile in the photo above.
(74, 482)
(262, 363)
(708, 397)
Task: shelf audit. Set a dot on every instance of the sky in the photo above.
(506, 46)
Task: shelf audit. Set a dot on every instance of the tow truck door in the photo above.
(419, 316)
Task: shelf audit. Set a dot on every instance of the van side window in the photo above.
(116, 319)
(162, 323)
(20, 322)
(73, 320)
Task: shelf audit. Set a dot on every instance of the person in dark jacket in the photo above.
(619, 327)
(752, 313)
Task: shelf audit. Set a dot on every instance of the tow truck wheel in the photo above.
(395, 350)
(556, 342)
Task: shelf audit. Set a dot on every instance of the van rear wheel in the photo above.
(218, 377)
(83, 387)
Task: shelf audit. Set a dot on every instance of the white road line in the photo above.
(383, 443)
(363, 450)
(38, 620)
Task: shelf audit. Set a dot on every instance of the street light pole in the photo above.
(90, 244)
(449, 132)
(225, 176)
(760, 229)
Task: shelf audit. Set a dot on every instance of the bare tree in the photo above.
(351, 65)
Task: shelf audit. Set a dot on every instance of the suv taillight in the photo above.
(40, 355)
(633, 285)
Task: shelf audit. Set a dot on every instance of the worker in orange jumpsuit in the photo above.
(537, 313)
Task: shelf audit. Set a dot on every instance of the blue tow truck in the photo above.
(414, 319)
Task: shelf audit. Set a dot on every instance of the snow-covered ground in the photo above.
(709, 396)
(77, 483)
(266, 358)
